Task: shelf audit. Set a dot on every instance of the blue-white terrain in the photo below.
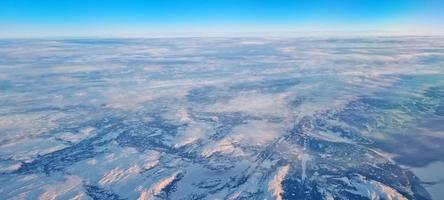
(222, 118)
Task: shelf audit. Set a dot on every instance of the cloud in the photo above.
(198, 105)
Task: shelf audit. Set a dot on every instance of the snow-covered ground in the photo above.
(222, 118)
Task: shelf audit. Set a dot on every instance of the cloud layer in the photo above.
(218, 118)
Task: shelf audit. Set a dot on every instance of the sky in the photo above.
(59, 18)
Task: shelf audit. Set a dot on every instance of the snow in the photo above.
(375, 190)
(156, 189)
(275, 185)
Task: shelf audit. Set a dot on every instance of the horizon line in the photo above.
(234, 34)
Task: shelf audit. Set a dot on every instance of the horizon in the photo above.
(286, 34)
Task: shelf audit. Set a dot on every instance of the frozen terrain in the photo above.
(222, 118)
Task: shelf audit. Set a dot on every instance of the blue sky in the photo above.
(41, 18)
